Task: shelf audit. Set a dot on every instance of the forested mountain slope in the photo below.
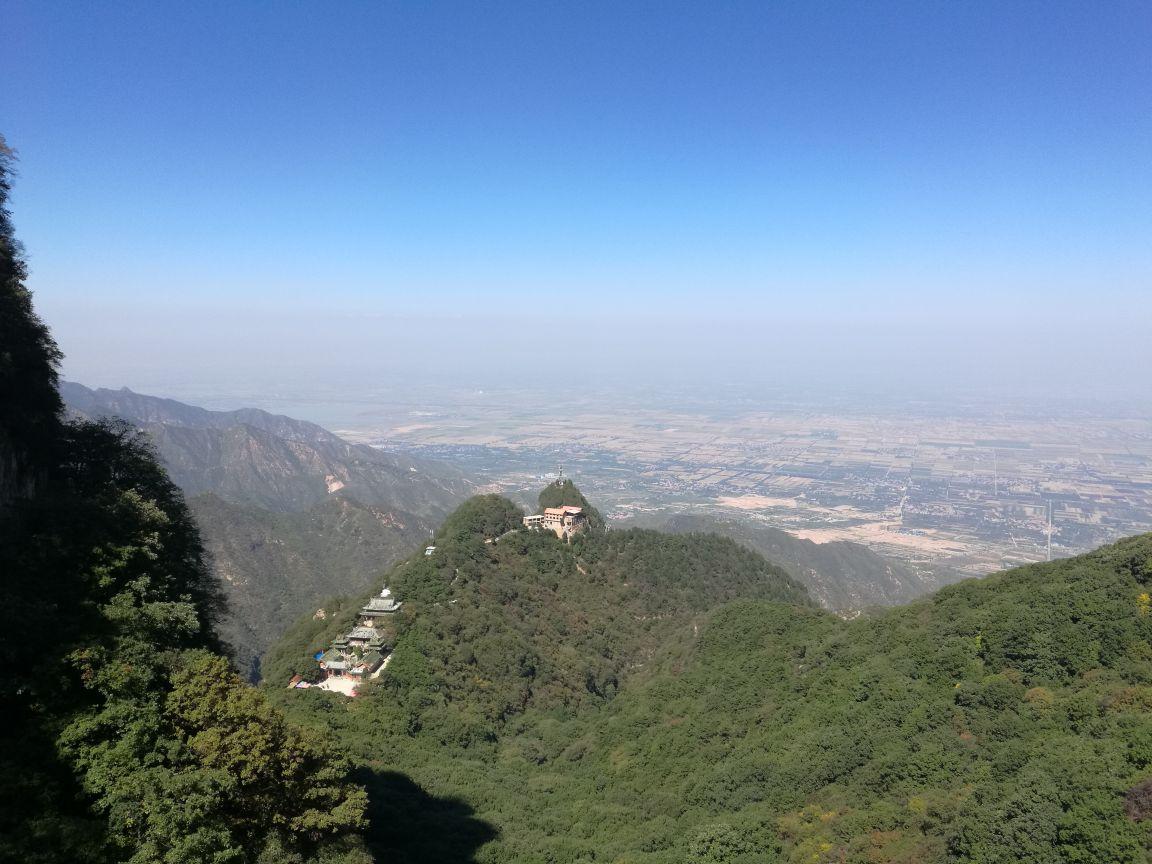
(290, 512)
(841, 575)
(500, 619)
(276, 566)
(1000, 720)
(125, 736)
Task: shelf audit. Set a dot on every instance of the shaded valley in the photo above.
(290, 512)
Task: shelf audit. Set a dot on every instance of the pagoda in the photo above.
(362, 650)
(380, 606)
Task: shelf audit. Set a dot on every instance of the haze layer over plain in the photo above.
(885, 195)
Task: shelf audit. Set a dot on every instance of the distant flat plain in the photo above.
(973, 488)
(967, 482)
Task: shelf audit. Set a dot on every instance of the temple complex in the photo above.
(363, 650)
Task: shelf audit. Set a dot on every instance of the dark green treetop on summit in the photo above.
(564, 493)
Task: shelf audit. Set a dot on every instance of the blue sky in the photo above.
(933, 165)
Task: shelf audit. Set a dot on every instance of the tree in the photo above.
(124, 737)
(283, 782)
(721, 843)
(181, 760)
(28, 361)
(481, 517)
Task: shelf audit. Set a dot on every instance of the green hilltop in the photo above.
(644, 697)
(562, 493)
(500, 619)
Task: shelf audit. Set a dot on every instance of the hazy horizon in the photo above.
(234, 357)
(890, 198)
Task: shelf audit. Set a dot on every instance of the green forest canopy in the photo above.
(630, 698)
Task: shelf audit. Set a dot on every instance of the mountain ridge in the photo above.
(290, 512)
(270, 460)
(843, 576)
(576, 615)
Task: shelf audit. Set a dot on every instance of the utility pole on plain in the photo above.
(1049, 529)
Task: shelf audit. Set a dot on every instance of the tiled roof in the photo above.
(381, 604)
(566, 510)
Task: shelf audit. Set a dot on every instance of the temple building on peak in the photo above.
(562, 521)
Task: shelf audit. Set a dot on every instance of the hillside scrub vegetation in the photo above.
(652, 698)
(489, 629)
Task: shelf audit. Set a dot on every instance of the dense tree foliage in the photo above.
(109, 625)
(490, 629)
(124, 736)
(484, 517)
(1001, 720)
(28, 359)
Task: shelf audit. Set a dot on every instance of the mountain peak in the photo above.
(562, 492)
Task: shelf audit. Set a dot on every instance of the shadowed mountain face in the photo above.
(842, 576)
(276, 566)
(289, 512)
